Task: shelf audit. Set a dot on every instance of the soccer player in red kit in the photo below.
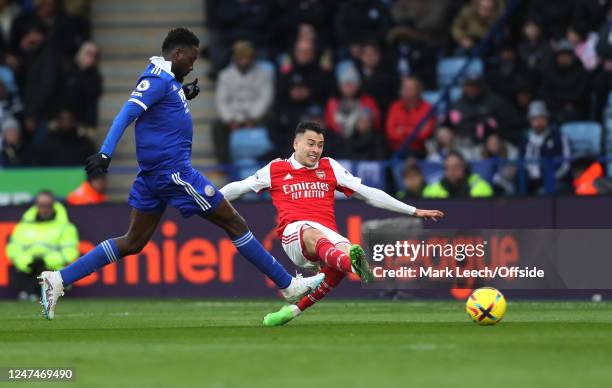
(302, 189)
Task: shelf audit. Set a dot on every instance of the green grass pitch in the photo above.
(150, 343)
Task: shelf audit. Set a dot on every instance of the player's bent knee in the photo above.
(310, 237)
(130, 246)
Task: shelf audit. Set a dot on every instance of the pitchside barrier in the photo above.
(192, 258)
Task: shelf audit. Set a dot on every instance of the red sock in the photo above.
(333, 257)
(333, 277)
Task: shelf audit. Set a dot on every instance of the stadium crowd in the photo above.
(370, 70)
(49, 83)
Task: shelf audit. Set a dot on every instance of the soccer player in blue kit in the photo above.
(163, 148)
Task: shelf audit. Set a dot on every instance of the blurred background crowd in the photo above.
(427, 98)
(536, 87)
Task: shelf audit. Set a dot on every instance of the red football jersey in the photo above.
(304, 194)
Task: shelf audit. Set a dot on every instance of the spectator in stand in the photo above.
(291, 105)
(244, 96)
(91, 192)
(377, 80)
(68, 32)
(535, 52)
(546, 143)
(555, 16)
(365, 143)
(565, 85)
(474, 21)
(304, 63)
(479, 110)
(292, 17)
(229, 21)
(41, 71)
(584, 42)
(442, 144)
(12, 147)
(306, 33)
(360, 20)
(43, 240)
(63, 146)
(83, 85)
(405, 115)
(412, 180)
(603, 80)
(458, 181)
(505, 77)
(499, 152)
(8, 12)
(342, 112)
(419, 32)
(10, 103)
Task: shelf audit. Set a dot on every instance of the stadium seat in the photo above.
(268, 66)
(249, 143)
(448, 68)
(371, 173)
(584, 137)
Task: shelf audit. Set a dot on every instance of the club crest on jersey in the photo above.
(209, 190)
(320, 174)
(143, 85)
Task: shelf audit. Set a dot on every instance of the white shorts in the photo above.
(293, 246)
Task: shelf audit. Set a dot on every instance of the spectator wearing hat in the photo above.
(342, 111)
(406, 114)
(543, 149)
(565, 85)
(244, 96)
(12, 147)
(365, 143)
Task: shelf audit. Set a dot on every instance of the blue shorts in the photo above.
(187, 190)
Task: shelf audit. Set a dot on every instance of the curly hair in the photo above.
(179, 37)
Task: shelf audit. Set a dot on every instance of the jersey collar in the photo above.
(297, 165)
(163, 64)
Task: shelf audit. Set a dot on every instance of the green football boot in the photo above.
(360, 264)
(279, 318)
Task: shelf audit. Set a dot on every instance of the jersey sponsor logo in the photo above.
(320, 174)
(287, 177)
(143, 85)
(306, 190)
(136, 94)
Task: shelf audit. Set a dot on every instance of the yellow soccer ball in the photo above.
(486, 306)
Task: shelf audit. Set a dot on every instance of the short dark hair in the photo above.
(179, 37)
(314, 126)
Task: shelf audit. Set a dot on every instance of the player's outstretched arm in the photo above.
(378, 198)
(256, 182)
(235, 190)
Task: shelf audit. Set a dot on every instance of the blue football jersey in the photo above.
(164, 131)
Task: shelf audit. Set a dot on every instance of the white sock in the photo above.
(295, 310)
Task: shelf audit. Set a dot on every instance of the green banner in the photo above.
(20, 185)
